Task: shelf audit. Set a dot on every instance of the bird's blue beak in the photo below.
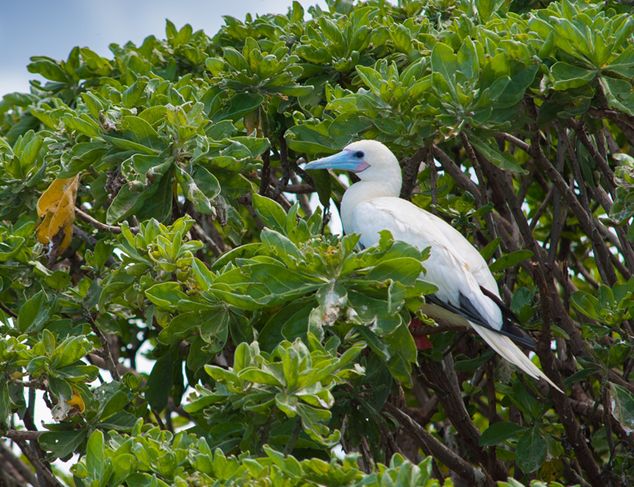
(345, 160)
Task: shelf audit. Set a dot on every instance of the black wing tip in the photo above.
(468, 311)
(508, 324)
(518, 335)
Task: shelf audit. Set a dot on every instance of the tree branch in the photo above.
(410, 172)
(431, 446)
(36, 457)
(23, 435)
(23, 470)
(454, 171)
(445, 383)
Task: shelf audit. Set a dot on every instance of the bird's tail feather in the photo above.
(505, 347)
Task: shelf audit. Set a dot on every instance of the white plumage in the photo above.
(454, 266)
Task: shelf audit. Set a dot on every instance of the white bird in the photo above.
(454, 266)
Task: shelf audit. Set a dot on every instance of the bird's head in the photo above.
(369, 159)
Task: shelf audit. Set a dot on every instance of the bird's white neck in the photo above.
(364, 191)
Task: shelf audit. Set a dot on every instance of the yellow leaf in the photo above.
(50, 198)
(57, 207)
(76, 401)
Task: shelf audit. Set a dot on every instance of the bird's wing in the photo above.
(454, 265)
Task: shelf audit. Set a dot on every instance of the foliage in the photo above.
(169, 288)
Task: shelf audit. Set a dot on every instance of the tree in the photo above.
(153, 210)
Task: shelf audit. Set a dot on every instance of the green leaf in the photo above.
(306, 139)
(5, 403)
(47, 67)
(271, 212)
(510, 260)
(82, 124)
(83, 155)
(444, 61)
(530, 452)
(467, 59)
(200, 188)
(403, 354)
(486, 8)
(139, 130)
(403, 269)
(586, 304)
(167, 295)
(157, 202)
(95, 455)
(623, 64)
(70, 351)
(129, 145)
(220, 375)
(62, 444)
(33, 313)
(567, 76)
(371, 78)
(499, 432)
(161, 380)
(27, 148)
(623, 406)
(127, 201)
(290, 322)
(123, 465)
(280, 245)
(181, 327)
(239, 105)
(619, 93)
(258, 376)
(493, 155)
(489, 249)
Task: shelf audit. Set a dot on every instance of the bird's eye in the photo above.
(359, 154)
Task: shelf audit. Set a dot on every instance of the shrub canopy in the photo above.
(153, 210)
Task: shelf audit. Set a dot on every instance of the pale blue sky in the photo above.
(46, 28)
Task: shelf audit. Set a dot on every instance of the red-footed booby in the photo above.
(466, 287)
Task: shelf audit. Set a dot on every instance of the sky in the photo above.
(46, 28)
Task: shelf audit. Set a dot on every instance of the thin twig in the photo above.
(7, 310)
(199, 233)
(97, 224)
(110, 360)
(95, 359)
(286, 169)
(515, 141)
(265, 176)
(431, 446)
(602, 164)
(298, 189)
